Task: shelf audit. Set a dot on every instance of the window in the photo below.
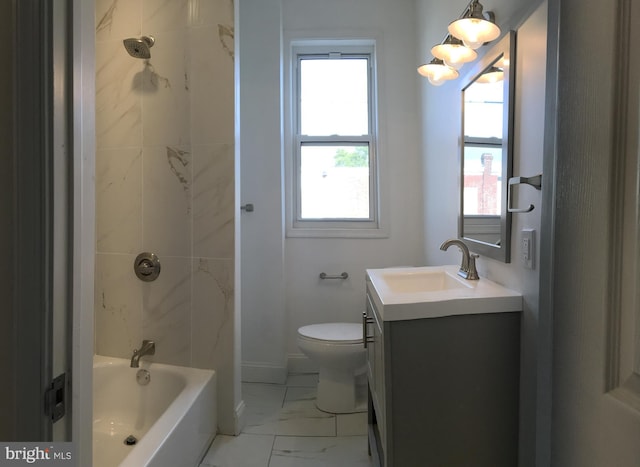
(483, 108)
(334, 166)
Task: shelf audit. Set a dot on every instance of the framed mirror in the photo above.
(486, 152)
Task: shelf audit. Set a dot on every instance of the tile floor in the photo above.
(285, 429)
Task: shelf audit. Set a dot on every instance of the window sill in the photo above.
(336, 233)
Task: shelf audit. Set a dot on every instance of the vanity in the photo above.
(443, 363)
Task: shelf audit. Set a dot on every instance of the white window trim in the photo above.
(328, 228)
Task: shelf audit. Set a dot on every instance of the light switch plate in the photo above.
(528, 247)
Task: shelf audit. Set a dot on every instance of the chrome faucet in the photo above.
(468, 265)
(148, 348)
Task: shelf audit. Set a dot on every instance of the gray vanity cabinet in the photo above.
(443, 391)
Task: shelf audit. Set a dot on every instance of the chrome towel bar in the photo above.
(324, 275)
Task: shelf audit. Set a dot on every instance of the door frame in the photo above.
(32, 260)
(82, 50)
(33, 218)
(547, 255)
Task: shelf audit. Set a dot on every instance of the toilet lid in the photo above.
(346, 333)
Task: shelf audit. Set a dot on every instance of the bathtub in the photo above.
(173, 417)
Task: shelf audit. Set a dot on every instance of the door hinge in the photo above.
(55, 398)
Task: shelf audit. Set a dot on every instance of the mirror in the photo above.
(486, 152)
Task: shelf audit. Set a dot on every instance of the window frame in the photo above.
(345, 227)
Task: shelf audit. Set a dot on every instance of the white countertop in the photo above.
(467, 297)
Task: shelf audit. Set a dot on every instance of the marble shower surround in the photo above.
(165, 183)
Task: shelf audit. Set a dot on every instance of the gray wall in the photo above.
(7, 391)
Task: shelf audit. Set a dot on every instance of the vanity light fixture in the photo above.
(470, 31)
(437, 72)
(474, 28)
(453, 52)
(492, 75)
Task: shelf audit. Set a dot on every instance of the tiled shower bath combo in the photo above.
(165, 185)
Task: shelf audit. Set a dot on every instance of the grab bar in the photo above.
(324, 275)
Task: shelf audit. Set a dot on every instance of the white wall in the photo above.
(309, 300)
(441, 130)
(263, 313)
(285, 299)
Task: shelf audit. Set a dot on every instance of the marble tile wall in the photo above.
(165, 182)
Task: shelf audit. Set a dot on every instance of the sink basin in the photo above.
(416, 280)
(435, 291)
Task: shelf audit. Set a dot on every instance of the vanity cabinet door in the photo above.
(452, 391)
(369, 337)
(375, 353)
(379, 381)
(375, 374)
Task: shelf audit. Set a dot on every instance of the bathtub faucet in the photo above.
(148, 348)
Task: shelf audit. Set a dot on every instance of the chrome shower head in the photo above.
(139, 48)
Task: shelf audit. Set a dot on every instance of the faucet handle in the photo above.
(472, 272)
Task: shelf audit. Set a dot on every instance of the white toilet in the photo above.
(337, 350)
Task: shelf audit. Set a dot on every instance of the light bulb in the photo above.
(457, 57)
(453, 53)
(473, 28)
(472, 42)
(492, 75)
(437, 72)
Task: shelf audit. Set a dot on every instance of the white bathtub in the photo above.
(174, 417)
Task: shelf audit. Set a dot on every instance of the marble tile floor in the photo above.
(285, 429)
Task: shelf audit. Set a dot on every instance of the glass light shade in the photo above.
(437, 72)
(453, 53)
(492, 75)
(473, 29)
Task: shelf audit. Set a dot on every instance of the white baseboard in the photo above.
(300, 363)
(240, 417)
(256, 372)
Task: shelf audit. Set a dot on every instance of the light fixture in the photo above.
(475, 28)
(492, 75)
(437, 72)
(453, 52)
(470, 31)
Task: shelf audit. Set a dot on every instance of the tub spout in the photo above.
(148, 348)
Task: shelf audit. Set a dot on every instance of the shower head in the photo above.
(139, 48)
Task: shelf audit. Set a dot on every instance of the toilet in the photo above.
(337, 350)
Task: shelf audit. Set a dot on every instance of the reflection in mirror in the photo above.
(486, 154)
(482, 161)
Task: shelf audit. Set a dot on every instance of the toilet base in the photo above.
(341, 392)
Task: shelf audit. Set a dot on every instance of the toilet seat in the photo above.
(335, 333)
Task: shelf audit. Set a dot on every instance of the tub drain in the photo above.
(130, 440)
